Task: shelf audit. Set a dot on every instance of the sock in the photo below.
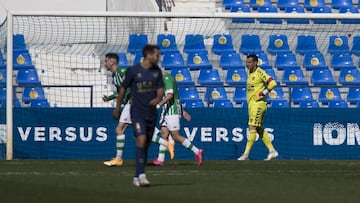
(186, 143)
(161, 155)
(250, 142)
(266, 139)
(159, 140)
(120, 142)
(140, 161)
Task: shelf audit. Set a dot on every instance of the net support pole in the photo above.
(9, 89)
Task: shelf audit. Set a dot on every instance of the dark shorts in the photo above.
(143, 124)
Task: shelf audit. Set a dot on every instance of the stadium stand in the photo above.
(136, 43)
(242, 9)
(276, 94)
(194, 44)
(2, 77)
(189, 93)
(337, 4)
(33, 93)
(39, 104)
(314, 61)
(167, 43)
(341, 61)
(355, 49)
(198, 61)
(338, 44)
(299, 94)
(286, 61)
(231, 61)
(209, 77)
(22, 60)
(138, 58)
(255, 4)
(250, 44)
(263, 61)
(310, 4)
(322, 77)
(297, 9)
(236, 77)
(182, 76)
(239, 96)
(279, 104)
(328, 94)
(324, 9)
(232, 3)
(27, 77)
(349, 77)
(278, 44)
(2, 62)
(213, 94)
(123, 61)
(193, 104)
(269, 9)
(283, 4)
(294, 77)
(309, 104)
(338, 104)
(349, 10)
(173, 61)
(222, 44)
(306, 44)
(223, 104)
(353, 95)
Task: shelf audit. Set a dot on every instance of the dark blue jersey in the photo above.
(144, 84)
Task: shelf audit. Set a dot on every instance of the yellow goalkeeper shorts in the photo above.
(256, 113)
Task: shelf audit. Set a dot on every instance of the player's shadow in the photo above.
(170, 184)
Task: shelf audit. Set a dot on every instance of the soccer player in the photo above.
(147, 89)
(259, 84)
(170, 120)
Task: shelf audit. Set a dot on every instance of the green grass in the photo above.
(181, 181)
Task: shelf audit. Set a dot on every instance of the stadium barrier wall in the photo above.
(89, 133)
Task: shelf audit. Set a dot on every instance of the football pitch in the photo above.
(181, 181)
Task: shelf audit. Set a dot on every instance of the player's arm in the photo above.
(169, 96)
(121, 93)
(270, 84)
(185, 114)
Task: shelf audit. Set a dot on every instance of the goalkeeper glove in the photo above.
(261, 95)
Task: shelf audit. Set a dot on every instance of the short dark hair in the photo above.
(149, 49)
(253, 56)
(112, 56)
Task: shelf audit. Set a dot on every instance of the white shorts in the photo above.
(172, 122)
(125, 114)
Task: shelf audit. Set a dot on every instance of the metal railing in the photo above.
(165, 5)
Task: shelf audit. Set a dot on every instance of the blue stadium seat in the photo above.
(182, 76)
(324, 9)
(294, 77)
(250, 44)
(338, 44)
(269, 9)
(27, 77)
(2, 93)
(342, 61)
(236, 77)
(239, 96)
(349, 77)
(322, 77)
(230, 61)
(276, 94)
(283, 4)
(222, 44)
(329, 94)
(137, 43)
(2, 77)
(213, 94)
(138, 58)
(123, 62)
(255, 4)
(278, 44)
(306, 44)
(39, 104)
(337, 4)
(198, 61)
(309, 104)
(353, 95)
(173, 61)
(286, 61)
(223, 104)
(22, 60)
(167, 43)
(242, 9)
(19, 43)
(209, 77)
(272, 73)
(314, 61)
(263, 61)
(355, 49)
(349, 10)
(33, 93)
(188, 93)
(2, 62)
(194, 43)
(310, 4)
(279, 104)
(193, 104)
(299, 94)
(298, 9)
(338, 104)
(227, 4)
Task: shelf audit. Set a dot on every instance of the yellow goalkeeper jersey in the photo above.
(256, 83)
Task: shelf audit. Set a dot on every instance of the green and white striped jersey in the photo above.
(172, 107)
(118, 76)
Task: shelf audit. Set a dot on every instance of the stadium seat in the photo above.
(193, 104)
(230, 61)
(349, 10)
(137, 43)
(349, 77)
(39, 104)
(294, 77)
(276, 94)
(309, 104)
(353, 95)
(182, 76)
(283, 4)
(338, 44)
(322, 77)
(19, 43)
(123, 62)
(329, 94)
(263, 61)
(167, 43)
(272, 73)
(299, 94)
(278, 44)
(194, 43)
(306, 44)
(33, 93)
(269, 9)
(2, 62)
(250, 44)
(222, 44)
(310, 4)
(342, 61)
(314, 61)
(138, 58)
(22, 60)
(198, 61)
(188, 93)
(213, 94)
(173, 61)
(355, 49)
(324, 9)
(337, 104)
(279, 104)
(297, 9)
(242, 9)
(236, 77)
(337, 4)
(227, 4)
(255, 4)
(2, 93)
(27, 77)
(209, 77)
(223, 104)
(2, 77)
(239, 96)
(286, 61)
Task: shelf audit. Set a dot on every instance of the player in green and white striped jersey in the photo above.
(170, 120)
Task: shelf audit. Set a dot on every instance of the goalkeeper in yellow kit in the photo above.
(259, 84)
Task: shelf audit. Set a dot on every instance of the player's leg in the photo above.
(160, 160)
(163, 141)
(267, 141)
